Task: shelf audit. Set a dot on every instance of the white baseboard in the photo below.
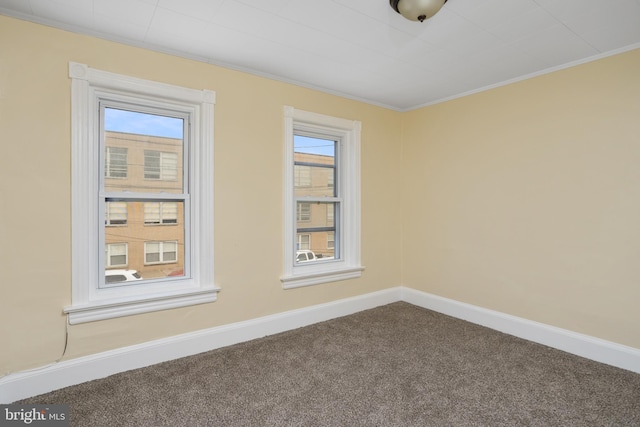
(66, 373)
(582, 345)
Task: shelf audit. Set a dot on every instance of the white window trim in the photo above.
(348, 265)
(88, 301)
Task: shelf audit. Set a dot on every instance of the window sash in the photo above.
(139, 192)
(318, 192)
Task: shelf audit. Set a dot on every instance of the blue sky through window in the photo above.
(305, 144)
(142, 123)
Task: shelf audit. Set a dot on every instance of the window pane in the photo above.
(153, 237)
(314, 166)
(317, 214)
(318, 235)
(315, 246)
(143, 152)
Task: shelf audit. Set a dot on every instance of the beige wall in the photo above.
(526, 199)
(35, 217)
(523, 199)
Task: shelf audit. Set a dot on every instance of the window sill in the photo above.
(319, 277)
(109, 309)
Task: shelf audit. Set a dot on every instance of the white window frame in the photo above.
(89, 301)
(348, 265)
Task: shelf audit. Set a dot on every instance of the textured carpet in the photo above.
(396, 365)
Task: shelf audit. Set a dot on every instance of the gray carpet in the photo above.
(397, 365)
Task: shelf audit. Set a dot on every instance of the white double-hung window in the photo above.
(142, 153)
(321, 199)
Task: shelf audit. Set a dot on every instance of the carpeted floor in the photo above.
(396, 365)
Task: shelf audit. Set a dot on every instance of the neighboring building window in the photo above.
(304, 242)
(157, 139)
(115, 213)
(302, 176)
(160, 213)
(304, 212)
(160, 252)
(330, 215)
(160, 165)
(322, 160)
(116, 255)
(116, 162)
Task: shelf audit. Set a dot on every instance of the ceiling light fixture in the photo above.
(417, 10)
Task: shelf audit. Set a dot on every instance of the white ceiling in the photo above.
(361, 49)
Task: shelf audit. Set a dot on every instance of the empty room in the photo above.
(303, 212)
